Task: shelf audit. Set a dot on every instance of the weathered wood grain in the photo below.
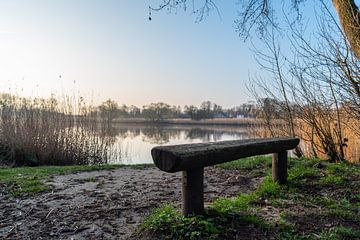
(193, 192)
(189, 156)
(279, 167)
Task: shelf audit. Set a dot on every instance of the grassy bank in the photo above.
(26, 180)
(321, 201)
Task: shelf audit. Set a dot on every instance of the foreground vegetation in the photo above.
(26, 180)
(54, 131)
(321, 201)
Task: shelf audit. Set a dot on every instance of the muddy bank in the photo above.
(107, 204)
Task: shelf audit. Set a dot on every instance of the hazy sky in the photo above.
(109, 49)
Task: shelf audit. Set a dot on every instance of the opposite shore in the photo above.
(242, 122)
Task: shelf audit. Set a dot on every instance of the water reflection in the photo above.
(132, 142)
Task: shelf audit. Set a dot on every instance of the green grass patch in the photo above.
(337, 233)
(31, 179)
(331, 179)
(329, 191)
(250, 163)
(166, 220)
(222, 213)
(301, 174)
(269, 189)
(228, 205)
(334, 233)
(166, 223)
(343, 168)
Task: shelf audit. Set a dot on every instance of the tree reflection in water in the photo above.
(131, 143)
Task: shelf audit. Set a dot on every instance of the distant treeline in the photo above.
(111, 110)
(65, 130)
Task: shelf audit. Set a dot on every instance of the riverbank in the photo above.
(241, 122)
(321, 201)
(98, 204)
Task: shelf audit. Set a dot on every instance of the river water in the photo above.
(132, 143)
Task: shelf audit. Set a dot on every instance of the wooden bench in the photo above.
(192, 158)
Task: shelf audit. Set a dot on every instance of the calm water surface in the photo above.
(132, 143)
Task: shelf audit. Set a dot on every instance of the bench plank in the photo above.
(184, 157)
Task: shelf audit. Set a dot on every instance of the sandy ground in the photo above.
(107, 204)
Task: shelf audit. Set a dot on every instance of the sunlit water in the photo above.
(131, 144)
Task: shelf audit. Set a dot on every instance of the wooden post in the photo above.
(279, 167)
(193, 191)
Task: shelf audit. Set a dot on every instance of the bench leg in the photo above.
(279, 167)
(193, 191)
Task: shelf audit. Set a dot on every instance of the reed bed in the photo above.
(50, 132)
(313, 145)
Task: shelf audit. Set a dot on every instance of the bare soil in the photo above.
(107, 204)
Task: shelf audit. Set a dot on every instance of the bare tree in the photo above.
(317, 87)
(349, 17)
(259, 14)
(316, 90)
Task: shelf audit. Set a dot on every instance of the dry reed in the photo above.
(311, 144)
(50, 132)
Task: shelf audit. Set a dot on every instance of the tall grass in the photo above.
(52, 131)
(314, 143)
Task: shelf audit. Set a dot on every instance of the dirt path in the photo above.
(106, 204)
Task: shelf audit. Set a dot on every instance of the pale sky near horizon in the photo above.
(109, 49)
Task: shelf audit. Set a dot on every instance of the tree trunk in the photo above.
(349, 17)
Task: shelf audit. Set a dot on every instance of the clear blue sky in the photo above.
(111, 50)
